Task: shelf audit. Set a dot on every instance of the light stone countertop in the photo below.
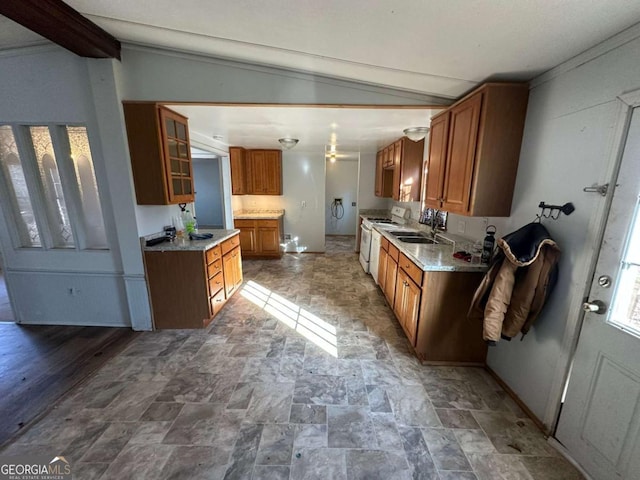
(184, 244)
(258, 214)
(432, 257)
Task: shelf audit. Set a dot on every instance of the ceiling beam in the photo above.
(57, 21)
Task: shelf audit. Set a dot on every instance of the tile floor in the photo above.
(340, 243)
(305, 374)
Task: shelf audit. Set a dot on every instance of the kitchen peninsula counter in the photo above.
(185, 244)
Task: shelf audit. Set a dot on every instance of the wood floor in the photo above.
(39, 364)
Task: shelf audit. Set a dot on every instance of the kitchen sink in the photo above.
(400, 233)
(416, 239)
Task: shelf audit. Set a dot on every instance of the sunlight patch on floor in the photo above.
(310, 326)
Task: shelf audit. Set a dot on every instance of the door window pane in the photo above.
(16, 187)
(89, 197)
(626, 300)
(52, 187)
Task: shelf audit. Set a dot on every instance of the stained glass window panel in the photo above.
(52, 186)
(88, 187)
(16, 188)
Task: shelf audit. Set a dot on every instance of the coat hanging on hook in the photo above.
(518, 283)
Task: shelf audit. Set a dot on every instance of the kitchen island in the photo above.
(430, 292)
(190, 280)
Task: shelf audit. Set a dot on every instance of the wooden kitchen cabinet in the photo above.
(407, 304)
(391, 271)
(232, 268)
(189, 287)
(237, 158)
(264, 172)
(255, 172)
(431, 307)
(384, 178)
(160, 154)
(400, 177)
(483, 133)
(434, 183)
(260, 237)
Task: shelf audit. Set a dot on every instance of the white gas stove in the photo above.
(370, 239)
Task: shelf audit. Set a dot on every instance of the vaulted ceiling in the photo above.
(443, 48)
(440, 48)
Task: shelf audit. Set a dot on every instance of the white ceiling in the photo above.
(350, 129)
(441, 48)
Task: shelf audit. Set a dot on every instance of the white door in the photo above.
(600, 419)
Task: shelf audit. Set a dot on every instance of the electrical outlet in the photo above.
(287, 236)
(303, 203)
(485, 222)
(353, 204)
(462, 226)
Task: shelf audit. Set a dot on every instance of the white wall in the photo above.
(342, 182)
(48, 84)
(567, 143)
(153, 74)
(367, 199)
(303, 179)
(206, 176)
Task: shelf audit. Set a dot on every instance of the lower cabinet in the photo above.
(407, 304)
(431, 308)
(260, 238)
(189, 287)
(391, 271)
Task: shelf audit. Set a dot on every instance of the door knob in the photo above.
(596, 306)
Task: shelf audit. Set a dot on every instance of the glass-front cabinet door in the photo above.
(177, 156)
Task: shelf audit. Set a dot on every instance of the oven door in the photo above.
(365, 247)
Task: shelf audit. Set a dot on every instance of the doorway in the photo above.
(208, 187)
(341, 192)
(599, 423)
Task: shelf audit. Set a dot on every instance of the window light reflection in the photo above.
(310, 326)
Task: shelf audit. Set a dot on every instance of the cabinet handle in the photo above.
(407, 266)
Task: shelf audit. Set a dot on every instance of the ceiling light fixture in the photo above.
(288, 143)
(416, 133)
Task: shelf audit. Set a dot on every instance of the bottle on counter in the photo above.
(488, 244)
(189, 222)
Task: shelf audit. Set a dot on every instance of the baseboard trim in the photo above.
(518, 401)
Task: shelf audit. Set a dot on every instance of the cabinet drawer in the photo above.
(216, 283)
(244, 223)
(213, 254)
(230, 244)
(214, 268)
(411, 269)
(394, 252)
(268, 223)
(384, 243)
(217, 301)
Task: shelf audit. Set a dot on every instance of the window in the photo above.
(51, 186)
(17, 193)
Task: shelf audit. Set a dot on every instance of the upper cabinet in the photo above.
(474, 149)
(237, 157)
(160, 154)
(255, 172)
(399, 170)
